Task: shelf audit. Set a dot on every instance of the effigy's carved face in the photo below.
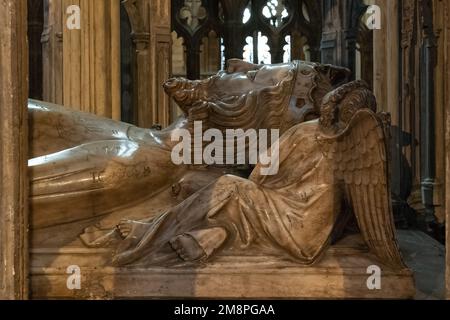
(246, 95)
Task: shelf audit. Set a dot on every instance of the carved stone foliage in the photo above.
(193, 13)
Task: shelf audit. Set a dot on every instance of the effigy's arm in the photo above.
(54, 128)
(96, 178)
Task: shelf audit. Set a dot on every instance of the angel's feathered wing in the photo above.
(359, 157)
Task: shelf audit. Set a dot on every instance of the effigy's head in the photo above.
(247, 95)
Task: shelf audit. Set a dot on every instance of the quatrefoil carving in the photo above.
(193, 13)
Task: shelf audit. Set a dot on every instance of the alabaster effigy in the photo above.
(108, 200)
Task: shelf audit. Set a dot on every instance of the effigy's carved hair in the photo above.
(340, 105)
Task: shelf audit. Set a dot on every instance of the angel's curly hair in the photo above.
(340, 105)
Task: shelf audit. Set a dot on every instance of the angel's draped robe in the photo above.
(290, 214)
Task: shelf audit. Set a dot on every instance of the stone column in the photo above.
(234, 29)
(52, 83)
(443, 69)
(92, 58)
(386, 59)
(35, 30)
(161, 56)
(151, 34)
(447, 87)
(13, 150)
(82, 66)
(441, 12)
(340, 26)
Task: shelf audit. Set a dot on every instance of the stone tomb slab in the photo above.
(341, 274)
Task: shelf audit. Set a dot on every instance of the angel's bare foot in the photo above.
(132, 228)
(94, 237)
(187, 248)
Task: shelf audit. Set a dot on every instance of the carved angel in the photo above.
(329, 167)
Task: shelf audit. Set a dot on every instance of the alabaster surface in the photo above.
(113, 188)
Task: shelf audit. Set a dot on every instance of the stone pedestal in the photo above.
(342, 274)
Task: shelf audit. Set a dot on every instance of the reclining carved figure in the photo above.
(84, 166)
(332, 165)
